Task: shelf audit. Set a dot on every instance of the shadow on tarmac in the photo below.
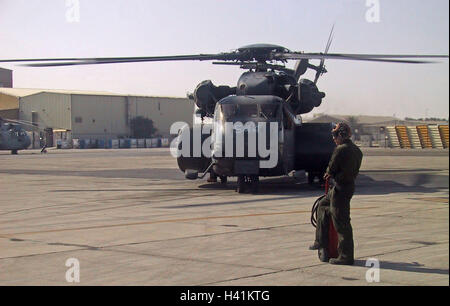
(404, 266)
(380, 183)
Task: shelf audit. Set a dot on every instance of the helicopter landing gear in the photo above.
(313, 175)
(241, 184)
(248, 181)
(223, 179)
(254, 181)
(212, 177)
(14, 152)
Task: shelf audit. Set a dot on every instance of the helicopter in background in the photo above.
(267, 94)
(12, 136)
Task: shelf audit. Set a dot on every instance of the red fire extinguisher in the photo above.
(332, 234)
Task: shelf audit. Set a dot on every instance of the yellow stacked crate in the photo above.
(424, 136)
(402, 134)
(443, 130)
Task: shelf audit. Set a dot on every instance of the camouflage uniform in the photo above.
(344, 168)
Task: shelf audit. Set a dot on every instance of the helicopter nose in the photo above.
(27, 142)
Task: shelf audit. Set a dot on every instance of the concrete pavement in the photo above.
(130, 218)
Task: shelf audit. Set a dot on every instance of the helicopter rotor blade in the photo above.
(322, 61)
(330, 40)
(238, 56)
(32, 125)
(50, 62)
(21, 122)
(391, 58)
(284, 56)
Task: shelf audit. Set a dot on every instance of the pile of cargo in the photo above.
(429, 136)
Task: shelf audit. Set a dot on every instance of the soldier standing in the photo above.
(343, 168)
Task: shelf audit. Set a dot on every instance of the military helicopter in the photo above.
(12, 136)
(267, 94)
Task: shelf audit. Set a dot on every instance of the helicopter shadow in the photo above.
(388, 182)
(379, 183)
(271, 186)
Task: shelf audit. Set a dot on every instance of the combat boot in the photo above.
(342, 261)
(323, 255)
(314, 246)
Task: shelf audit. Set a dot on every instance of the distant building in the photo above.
(92, 115)
(362, 120)
(370, 120)
(6, 79)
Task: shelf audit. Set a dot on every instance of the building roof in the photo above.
(360, 119)
(24, 92)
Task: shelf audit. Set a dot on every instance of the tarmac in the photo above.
(128, 217)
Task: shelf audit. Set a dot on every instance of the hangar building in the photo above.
(6, 78)
(92, 115)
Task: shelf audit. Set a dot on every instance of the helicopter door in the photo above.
(288, 147)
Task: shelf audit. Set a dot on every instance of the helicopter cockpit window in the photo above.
(269, 111)
(248, 110)
(229, 111)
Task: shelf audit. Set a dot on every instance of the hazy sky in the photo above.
(45, 28)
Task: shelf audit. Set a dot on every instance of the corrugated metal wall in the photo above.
(6, 79)
(53, 110)
(102, 116)
(164, 111)
(99, 117)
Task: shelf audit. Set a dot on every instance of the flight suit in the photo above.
(343, 168)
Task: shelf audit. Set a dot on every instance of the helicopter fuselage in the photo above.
(255, 130)
(248, 136)
(13, 138)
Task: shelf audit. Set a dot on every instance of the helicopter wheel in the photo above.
(223, 180)
(254, 184)
(241, 184)
(14, 152)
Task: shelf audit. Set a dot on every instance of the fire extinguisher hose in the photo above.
(316, 205)
(314, 211)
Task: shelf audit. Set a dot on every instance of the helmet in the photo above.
(343, 130)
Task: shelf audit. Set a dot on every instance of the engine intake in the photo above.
(206, 95)
(310, 96)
